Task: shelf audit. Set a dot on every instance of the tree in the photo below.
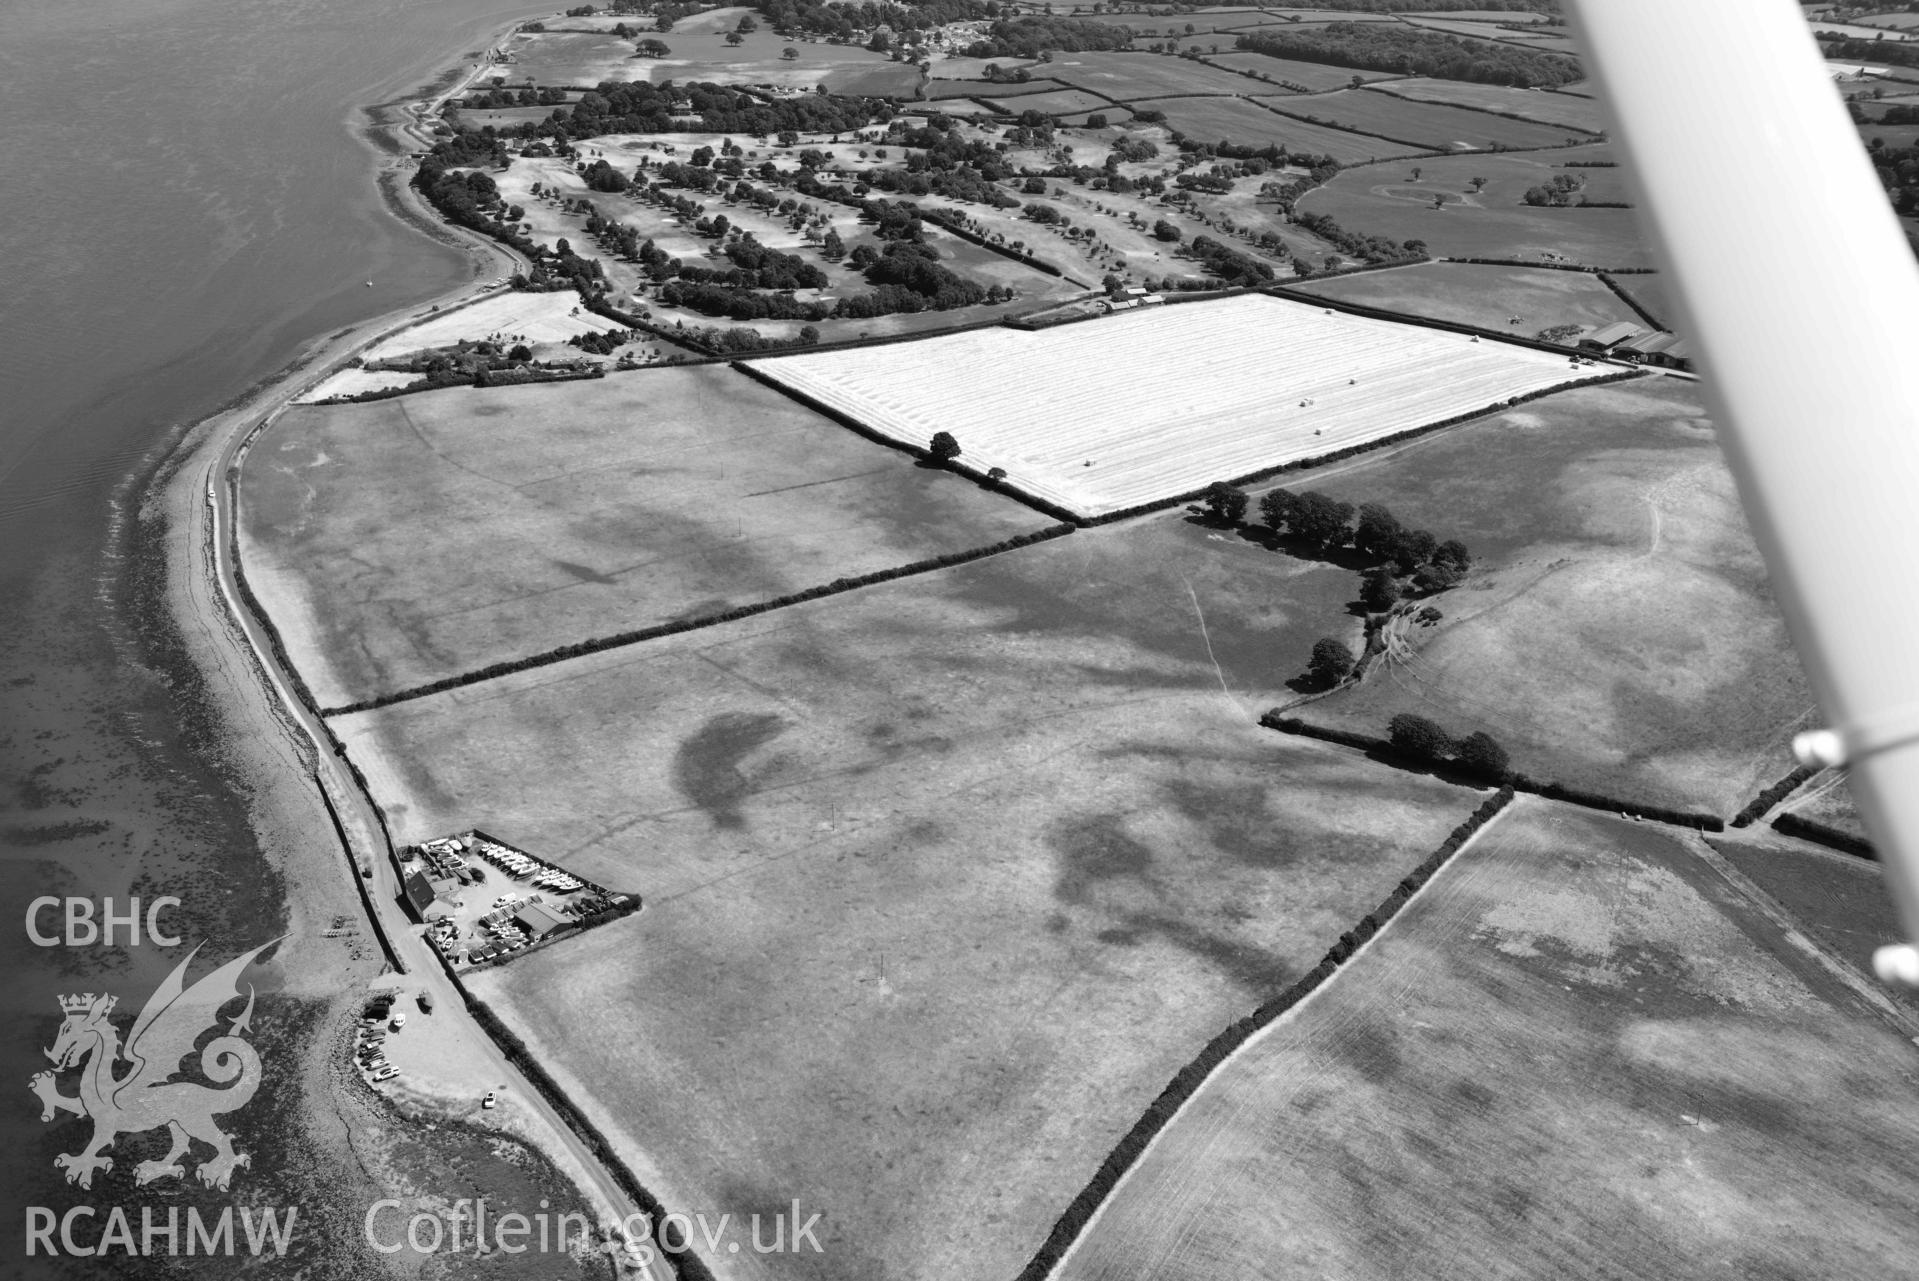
(1479, 184)
(1276, 508)
(1481, 753)
(1453, 555)
(747, 25)
(1377, 532)
(832, 247)
(944, 448)
(1034, 186)
(1359, 82)
(1413, 549)
(735, 38)
(1320, 520)
(650, 48)
(790, 53)
(1331, 662)
(1096, 121)
(520, 352)
(1419, 738)
(1166, 231)
(1378, 589)
(1225, 505)
(1439, 202)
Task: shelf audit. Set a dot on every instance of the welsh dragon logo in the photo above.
(146, 1097)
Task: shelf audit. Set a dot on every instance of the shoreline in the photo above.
(171, 498)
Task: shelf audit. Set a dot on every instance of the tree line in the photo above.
(1392, 47)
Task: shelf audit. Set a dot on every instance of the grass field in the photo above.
(1129, 76)
(1619, 631)
(1479, 295)
(1493, 223)
(1578, 1055)
(1236, 120)
(944, 879)
(1841, 900)
(1145, 405)
(400, 541)
(1313, 75)
(1828, 800)
(1549, 108)
(1431, 124)
(1650, 292)
(1060, 102)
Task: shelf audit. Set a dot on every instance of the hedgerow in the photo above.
(1772, 796)
(597, 645)
(1188, 1080)
(1820, 833)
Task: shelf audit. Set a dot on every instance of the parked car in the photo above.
(491, 1099)
(386, 1073)
(399, 1021)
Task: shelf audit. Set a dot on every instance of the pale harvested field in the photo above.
(945, 878)
(1552, 108)
(1619, 632)
(703, 55)
(351, 382)
(1060, 103)
(405, 540)
(542, 317)
(1222, 398)
(1580, 1055)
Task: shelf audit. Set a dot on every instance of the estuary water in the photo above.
(186, 200)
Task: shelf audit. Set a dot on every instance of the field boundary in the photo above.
(619, 640)
(686, 1263)
(1597, 135)
(1771, 796)
(1084, 1210)
(1383, 751)
(1821, 834)
(1606, 278)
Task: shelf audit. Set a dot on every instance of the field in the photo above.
(937, 90)
(537, 317)
(1236, 120)
(1650, 292)
(1549, 108)
(1877, 32)
(1314, 75)
(944, 878)
(1060, 102)
(411, 539)
(1895, 136)
(1827, 800)
(1493, 223)
(1618, 632)
(1840, 899)
(700, 53)
(1579, 1055)
(1131, 76)
(1433, 125)
(1486, 296)
(1131, 408)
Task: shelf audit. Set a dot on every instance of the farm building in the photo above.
(417, 895)
(1610, 336)
(537, 920)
